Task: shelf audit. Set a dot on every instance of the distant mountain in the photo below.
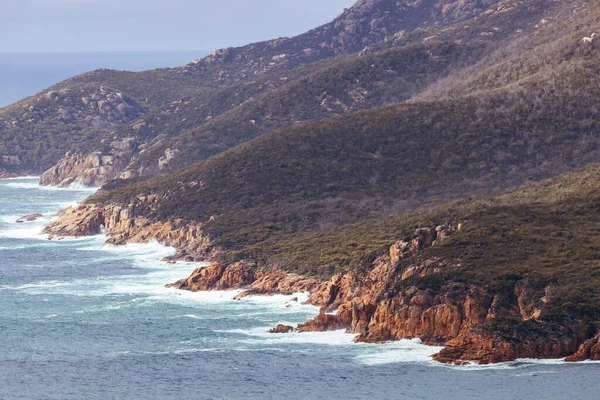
(24, 74)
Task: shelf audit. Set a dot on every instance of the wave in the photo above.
(37, 186)
(143, 254)
(18, 178)
(23, 231)
(402, 351)
(261, 335)
(165, 352)
(38, 285)
(519, 364)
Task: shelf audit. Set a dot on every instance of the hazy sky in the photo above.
(108, 25)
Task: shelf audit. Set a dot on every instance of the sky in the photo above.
(148, 25)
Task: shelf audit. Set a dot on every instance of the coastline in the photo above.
(364, 306)
(10, 175)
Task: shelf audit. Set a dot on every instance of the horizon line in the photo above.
(105, 51)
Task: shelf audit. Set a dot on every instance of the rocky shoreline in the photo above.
(474, 323)
(6, 175)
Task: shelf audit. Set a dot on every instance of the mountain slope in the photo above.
(201, 83)
(395, 158)
(390, 71)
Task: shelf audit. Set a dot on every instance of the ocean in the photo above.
(81, 320)
(25, 74)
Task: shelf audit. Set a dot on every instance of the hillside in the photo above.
(382, 161)
(211, 87)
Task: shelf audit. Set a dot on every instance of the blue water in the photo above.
(82, 321)
(25, 74)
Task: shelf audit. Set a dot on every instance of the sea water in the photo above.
(81, 320)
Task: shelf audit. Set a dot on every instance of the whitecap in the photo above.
(12, 229)
(262, 335)
(37, 285)
(182, 351)
(517, 364)
(191, 316)
(143, 254)
(402, 351)
(37, 186)
(18, 178)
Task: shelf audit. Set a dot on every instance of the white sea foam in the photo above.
(191, 316)
(37, 186)
(38, 285)
(33, 230)
(19, 178)
(23, 231)
(401, 351)
(261, 335)
(518, 364)
(143, 254)
(78, 185)
(178, 351)
(280, 299)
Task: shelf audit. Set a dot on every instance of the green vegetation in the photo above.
(381, 162)
(235, 95)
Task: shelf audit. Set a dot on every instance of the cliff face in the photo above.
(466, 323)
(590, 350)
(121, 226)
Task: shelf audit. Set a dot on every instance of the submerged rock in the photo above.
(29, 218)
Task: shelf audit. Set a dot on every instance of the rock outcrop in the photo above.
(98, 106)
(243, 275)
(29, 218)
(121, 226)
(590, 350)
(383, 306)
(92, 170)
(282, 329)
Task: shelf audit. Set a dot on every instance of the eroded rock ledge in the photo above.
(475, 323)
(121, 226)
(466, 324)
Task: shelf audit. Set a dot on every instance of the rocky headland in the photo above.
(475, 323)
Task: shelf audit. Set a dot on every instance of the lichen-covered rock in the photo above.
(92, 170)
